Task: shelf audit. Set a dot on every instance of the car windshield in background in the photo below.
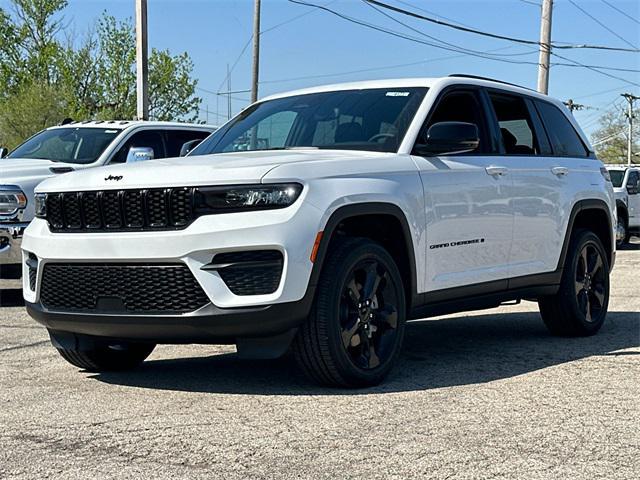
(69, 145)
(371, 119)
(617, 177)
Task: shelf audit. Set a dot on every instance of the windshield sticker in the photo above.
(397, 94)
(111, 131)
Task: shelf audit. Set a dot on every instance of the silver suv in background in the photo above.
(626, 187)
(77, 146)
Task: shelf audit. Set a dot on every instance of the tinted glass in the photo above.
(633, 178)
(371, 119)
(564, 139)
(144, 138)
(70, 145)
(617, 177)
(516, 127)
(177, 138)
(458, 107)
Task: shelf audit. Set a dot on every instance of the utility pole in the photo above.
(228, 93)
(256, 51)
(573, 106)
(545, 47)
(630, 116)
(142, 61)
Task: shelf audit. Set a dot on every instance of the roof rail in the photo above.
(478, 77)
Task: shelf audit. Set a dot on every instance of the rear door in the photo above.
(633, 185)
(469, 218)
(549, 161)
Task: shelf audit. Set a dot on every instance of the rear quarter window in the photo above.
(564, 139)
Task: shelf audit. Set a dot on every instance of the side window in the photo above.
(516, 127)
(633, 180)
(177, 138)
(144, 138)
(564, 138)
(459, 106)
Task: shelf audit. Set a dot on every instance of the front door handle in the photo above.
(496, 171)
(560, 171)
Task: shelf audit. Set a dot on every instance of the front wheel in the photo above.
(580, 306)
(354, 333)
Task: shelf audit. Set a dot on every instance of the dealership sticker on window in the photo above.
(397, 94)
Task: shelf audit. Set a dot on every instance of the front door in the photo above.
(469, 218)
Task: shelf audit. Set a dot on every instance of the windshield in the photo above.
(371, 119)
(70, 145)
(617, 177)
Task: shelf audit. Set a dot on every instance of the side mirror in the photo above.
(449, 137)
(188, 146)
(4, 152)
(140, 154)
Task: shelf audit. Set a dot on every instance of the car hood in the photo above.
(216, 169)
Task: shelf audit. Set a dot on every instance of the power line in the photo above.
(573, 63)
(262, 32)
(603, 25)
(419, 32)
(492, 35)
(621, 11)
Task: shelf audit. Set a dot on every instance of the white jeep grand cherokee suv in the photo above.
(323, 220)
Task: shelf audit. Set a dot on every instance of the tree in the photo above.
(610, 139)
(42, 81)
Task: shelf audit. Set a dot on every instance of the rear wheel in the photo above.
(580, 306)
(622, 230)
(354, 333)
(107, 356)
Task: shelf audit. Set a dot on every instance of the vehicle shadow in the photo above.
(457, 351)
(629, 246)
(11, 297)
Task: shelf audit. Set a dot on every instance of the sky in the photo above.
(303, 46)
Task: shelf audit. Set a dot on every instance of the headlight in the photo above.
(11, 199)
(210, 200)
(41, 205)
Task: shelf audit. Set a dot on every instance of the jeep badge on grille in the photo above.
(117, 178)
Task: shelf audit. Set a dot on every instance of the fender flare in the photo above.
(581, 205)
(364, 209)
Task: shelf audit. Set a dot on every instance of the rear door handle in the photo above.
(560, 171)
(496, 171)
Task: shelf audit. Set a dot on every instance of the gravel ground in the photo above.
(481, 395)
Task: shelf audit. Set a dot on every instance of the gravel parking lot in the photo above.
(481, 395)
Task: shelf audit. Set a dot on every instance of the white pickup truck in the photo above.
(626, 187)
(77, 146)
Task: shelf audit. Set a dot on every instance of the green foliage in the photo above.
(32, 108)
(42, 81)
(611, 137)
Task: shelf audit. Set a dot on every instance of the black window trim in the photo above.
(490, 148)
(589, 153)
(496, 126)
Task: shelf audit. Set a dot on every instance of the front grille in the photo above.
(117, 288)
(121, 210)
(256, 272)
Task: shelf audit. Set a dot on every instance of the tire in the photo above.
(580, 306)
(622, 231)
(103, 357)
(354, 333)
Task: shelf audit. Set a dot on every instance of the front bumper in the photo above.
(10, 242)
(210, 324)
(227, 317)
